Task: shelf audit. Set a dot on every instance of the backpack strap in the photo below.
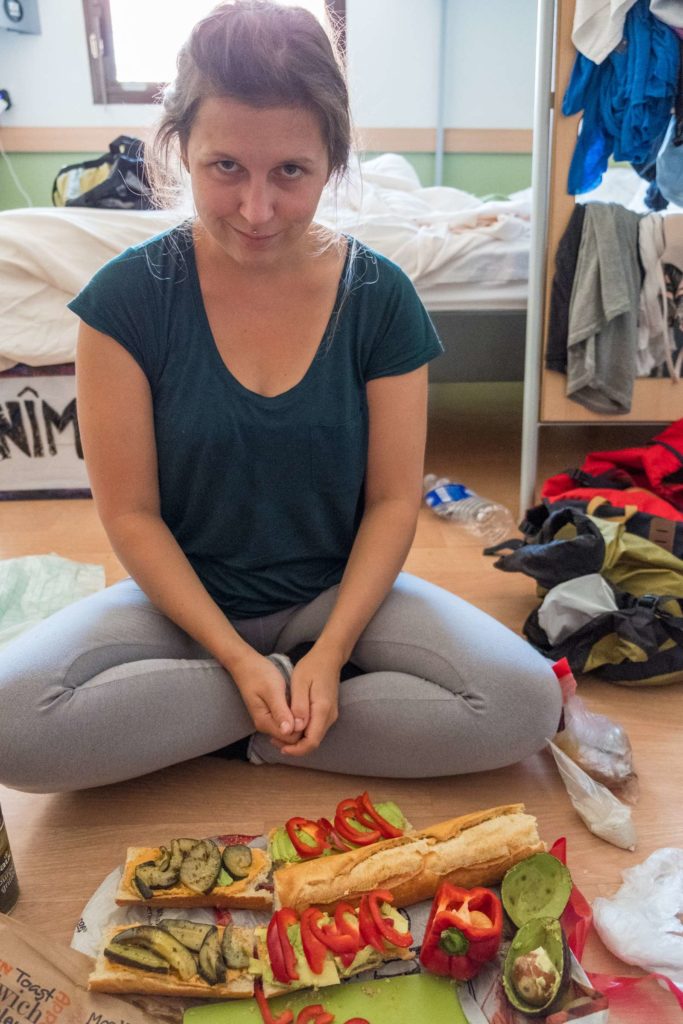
(595, 503)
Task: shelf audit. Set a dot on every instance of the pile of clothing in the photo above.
(616, 306)
(627, 78)
(606, 550)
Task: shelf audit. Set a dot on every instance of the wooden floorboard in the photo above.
(65, 844)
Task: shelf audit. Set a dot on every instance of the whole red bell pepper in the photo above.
(463, 931)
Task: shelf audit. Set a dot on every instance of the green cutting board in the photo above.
(418, 998)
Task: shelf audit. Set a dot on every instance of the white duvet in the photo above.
(437, 235)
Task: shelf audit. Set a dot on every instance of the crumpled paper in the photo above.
(35, 586)
(643, 922)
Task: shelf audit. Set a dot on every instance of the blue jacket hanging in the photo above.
(626, 100)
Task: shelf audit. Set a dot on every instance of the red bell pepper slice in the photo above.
(314, 1014)
(348, 809)
(346, 921)
(314, 950)
(284, 918)
(333, 837)
(314, 829)
(369, 931)
(339, 942)
(286, 1017)
(384, 924)
(372, 815)
(276, 954)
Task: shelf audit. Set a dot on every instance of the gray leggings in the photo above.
(109, 689)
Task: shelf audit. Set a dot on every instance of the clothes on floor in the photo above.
(110, 689)
(603, 312)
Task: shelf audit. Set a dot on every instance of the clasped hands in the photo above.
(297, 726)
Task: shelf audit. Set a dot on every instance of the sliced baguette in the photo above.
(474, 849)
(243, 894)
(112, 977)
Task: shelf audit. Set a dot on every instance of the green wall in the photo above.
(36, 172)
(480, 173)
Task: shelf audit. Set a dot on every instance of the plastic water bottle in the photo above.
(486, 519)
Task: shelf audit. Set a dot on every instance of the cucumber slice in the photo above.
(148, 877)
(136, 956)
(237, 860)
(201, 867)
(235, 953)
(212, 966)
(190, 933)
(163, 943)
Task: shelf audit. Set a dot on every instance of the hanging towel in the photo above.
(654, 342)
(626, 100)
(670, 11)
(603, 311)
(599, 26)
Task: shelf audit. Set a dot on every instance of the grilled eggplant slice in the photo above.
(191, 933)
(201, 867)
(235, 954)
(163, 861)
(186, 844)
(164, 944)
(237, 860)
(136, 956)
(148, 876)
(212, 966)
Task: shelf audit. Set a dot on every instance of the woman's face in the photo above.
(257, 174)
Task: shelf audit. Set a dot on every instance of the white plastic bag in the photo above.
(604, 815)
(642, 923)
(35, 586)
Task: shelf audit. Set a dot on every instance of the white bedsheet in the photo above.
(459, 251)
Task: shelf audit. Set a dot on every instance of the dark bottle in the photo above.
(9, 887)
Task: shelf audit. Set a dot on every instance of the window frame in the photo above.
(99, 34)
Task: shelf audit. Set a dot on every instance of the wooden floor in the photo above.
(65, 844)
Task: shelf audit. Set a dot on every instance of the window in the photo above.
(132, 44)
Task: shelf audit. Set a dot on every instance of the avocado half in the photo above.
(538, 886)
(537, 968)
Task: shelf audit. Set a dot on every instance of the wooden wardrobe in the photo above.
(545, 402)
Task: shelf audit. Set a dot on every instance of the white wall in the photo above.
(393, 50)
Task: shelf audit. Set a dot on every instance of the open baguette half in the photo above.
(474, 849)
(114, 978)
(243, 895)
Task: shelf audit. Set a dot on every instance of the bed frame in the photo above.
(481, 345)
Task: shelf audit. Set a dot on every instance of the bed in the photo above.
(467, 257)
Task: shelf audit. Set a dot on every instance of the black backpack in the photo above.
(115, 181)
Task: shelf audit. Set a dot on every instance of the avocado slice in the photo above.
(537, 968)
(538, 886)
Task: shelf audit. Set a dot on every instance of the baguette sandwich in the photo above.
(178, 958)
(186, 958)
(195, 873)
(475, 849)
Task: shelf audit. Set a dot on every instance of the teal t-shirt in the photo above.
(264, 495)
